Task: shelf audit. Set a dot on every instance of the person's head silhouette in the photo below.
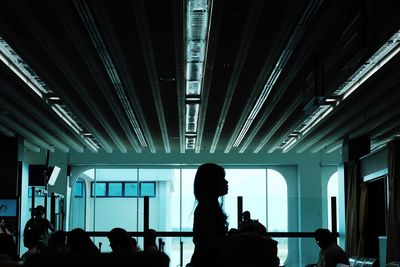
(323, 237)
(39, 211)
(246, 215)
(120, 240)
(209, 182)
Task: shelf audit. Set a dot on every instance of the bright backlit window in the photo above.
(332, 191)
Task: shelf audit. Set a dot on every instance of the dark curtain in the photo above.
(352, 176)
(393, 220)
(363, 221)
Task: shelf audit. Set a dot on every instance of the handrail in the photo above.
(190, 234)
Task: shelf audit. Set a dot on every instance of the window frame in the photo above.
(123, 189)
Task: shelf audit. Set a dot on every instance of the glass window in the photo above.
(277, 202)
(251, 185)
(78, 189)
(264, 193)
(115, 189)
(131, 189)
(332, 191)
(147, 189)
(99, 189)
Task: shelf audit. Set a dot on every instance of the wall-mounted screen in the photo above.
(8, 207)
(37, 175)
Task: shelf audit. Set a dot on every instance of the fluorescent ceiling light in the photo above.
(21, 69)
(289, 144)
(323, 112)
(373, 64)
(66, 118)
(196, 49)
(192, 115)
(30, 78)
(280, 64)
(368, 69)
(190, 142)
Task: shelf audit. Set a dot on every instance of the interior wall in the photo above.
(374, 165)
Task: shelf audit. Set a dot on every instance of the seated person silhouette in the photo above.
(120, 241)
(79, 241)
(330, 253)
(151, 236)
(250, 225)
(32, 241)
(8, 248)
(244, 249)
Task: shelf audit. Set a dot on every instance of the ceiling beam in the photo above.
(244, 46)
(26, 133)
(33, 125)
(148, 53)
(120, 107)
(116, 51)
(179, 37)
(31, 146)
(264, 84)
(362, 124)
(44, 40)
(21, 101)
(346, 109)
(6, 131)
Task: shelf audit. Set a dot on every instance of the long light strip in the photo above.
(196, 49)
(15, 63)
(369, 68)
(276, 72)
(308, 127)
(66, 118)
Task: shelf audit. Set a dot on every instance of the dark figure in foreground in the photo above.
(250, 225)
(120, 241)
(330, 254)
(250, 249)
(58, 242)
(252, 246)
(79, 241)
(32, 241)
(40, 225)
(210, 224)
(151, 236)
(8, 248)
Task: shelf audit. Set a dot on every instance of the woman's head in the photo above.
(209, 182)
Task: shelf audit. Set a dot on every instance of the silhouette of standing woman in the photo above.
(209, 225)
